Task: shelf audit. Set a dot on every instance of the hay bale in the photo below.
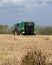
(34, 57)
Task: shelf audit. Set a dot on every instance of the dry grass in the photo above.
(34, 57)
(25, 50)
(10, 61)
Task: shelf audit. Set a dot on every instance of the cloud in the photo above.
(26, 3)
(10, 2)
(36, 10)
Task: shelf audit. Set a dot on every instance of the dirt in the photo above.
(16, 46)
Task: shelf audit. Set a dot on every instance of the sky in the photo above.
(13, 11)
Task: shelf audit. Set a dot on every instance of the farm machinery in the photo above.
(24, 28)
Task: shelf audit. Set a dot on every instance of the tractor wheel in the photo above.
(14, 32)
(18, 33)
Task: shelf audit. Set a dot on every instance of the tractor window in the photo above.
(18, 25)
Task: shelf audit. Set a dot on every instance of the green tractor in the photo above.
(25, 28)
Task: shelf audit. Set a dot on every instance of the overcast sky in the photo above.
(13, 11)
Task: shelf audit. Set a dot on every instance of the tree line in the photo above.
(5, 29)
(46, 30)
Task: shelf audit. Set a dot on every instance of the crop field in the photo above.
(13, 48)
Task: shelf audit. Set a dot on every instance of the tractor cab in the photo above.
(25, 28)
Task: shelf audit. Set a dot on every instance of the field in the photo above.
(13, 48)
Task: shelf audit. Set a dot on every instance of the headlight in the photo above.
(34, 31)
(23, 32)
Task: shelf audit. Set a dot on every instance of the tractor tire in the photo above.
(18, 33)
(14, 32)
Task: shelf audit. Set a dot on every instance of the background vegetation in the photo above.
(47, 30)
(5, 29)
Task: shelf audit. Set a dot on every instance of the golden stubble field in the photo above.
(13, 48)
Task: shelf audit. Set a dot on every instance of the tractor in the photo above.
(25, 28)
